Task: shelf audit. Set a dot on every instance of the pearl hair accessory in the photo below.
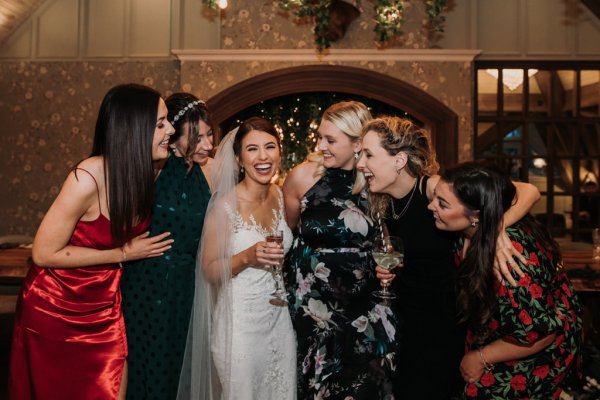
(186, 108)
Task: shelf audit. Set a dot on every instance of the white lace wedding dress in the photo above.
(263, 343)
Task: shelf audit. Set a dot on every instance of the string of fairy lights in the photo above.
(296, 117)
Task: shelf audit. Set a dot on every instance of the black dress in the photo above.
(346, 340)
(158, 292)
(432, 343)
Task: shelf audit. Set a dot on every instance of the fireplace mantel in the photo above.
(334, 55)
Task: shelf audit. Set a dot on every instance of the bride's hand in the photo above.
(265, 253)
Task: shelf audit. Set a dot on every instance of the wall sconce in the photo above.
(222, 4)
(512, 78)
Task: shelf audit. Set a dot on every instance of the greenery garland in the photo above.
(389, 16)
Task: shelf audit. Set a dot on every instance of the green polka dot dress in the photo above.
(158, 292)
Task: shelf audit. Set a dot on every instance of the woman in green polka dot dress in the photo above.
(158, 292)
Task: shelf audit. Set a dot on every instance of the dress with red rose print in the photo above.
(543, 302)
(346, 340)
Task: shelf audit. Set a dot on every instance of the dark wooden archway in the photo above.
(439, 119)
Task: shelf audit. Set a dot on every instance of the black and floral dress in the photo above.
(543, 302)
(346, 340)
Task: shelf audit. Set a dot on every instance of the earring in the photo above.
(241, 169)
(356, 155)
(474, 223)
(398, 170)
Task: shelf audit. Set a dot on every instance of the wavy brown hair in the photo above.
(401, 135)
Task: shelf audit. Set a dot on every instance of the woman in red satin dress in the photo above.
(69, 338)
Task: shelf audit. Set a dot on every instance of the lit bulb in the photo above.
(222, 4)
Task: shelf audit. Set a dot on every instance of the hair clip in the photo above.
(182, 112)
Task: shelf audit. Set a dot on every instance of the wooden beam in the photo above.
(593, 6)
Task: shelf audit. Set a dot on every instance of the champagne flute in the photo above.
(388, 253)
(279, 294)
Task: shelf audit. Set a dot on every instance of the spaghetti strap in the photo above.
(96, 183)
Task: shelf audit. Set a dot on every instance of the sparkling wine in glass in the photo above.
(388, 253)
(279, 294)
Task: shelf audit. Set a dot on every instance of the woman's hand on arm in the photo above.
(146, 246)
(506, 253)
(504, 261)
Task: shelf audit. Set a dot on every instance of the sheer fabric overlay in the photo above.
(199, 378)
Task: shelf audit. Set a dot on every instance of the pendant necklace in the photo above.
(398, 216)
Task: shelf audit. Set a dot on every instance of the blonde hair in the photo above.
(401, 135)
(349, 117)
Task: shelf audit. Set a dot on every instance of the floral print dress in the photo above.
(543, 302)
(346, 340)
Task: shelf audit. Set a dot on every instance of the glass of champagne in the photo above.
(388, 253)
(279, 294)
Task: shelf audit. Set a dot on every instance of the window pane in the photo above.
(514, 167)
(590, 140)
(564, 92)
(562, 139)
(538, 139)
(538, 170)
(487, 92)
(562, 171)
(512, 140)
(540, 92)
(512, 80)
(590, 93)
(541, 206)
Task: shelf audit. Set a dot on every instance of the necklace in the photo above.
(398, 216)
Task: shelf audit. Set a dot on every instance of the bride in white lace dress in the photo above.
(241, 343)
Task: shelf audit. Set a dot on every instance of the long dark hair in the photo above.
(123, 137)
(484, 190)
(253, 124)
(196, 110)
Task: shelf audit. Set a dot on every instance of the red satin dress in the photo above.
(69, 338)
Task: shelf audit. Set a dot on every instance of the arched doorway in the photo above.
(438, 118)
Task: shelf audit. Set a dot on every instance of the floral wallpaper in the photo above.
(48, 112)
(48, 108)
(449, 82)
(251, 24)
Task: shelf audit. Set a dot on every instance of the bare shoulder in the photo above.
(93, 166)
(301, 178)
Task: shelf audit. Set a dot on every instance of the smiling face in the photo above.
(449, 213)
(337, 148)
(204, 145)
(260, 156)
(378, 166)
(162, 132)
